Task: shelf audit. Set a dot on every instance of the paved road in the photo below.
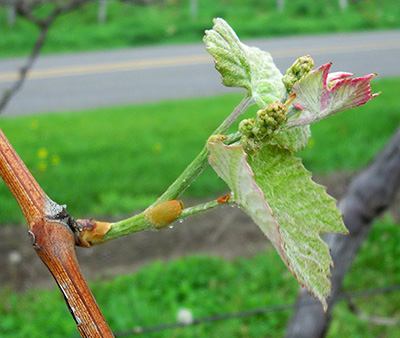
(138, 75)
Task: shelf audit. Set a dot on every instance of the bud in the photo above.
(264, 127)
(164, 213)
(299, 68)
(270, 119)
(246, 126)
(91, 232)
(250, 144)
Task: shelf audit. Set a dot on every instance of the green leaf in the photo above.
(293, 139)
(243, 66)
(296, 212)
(303, 210)
(231, 165)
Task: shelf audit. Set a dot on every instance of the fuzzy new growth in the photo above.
(320, 94)
(246, 126)
(263, 127)
(302, 66)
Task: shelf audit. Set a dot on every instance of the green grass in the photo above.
(112, 161)
(209, 286)
(129, 25)
(115, 160)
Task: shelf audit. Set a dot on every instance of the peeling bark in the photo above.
(90, 232)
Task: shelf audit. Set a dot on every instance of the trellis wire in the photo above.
(249, 313)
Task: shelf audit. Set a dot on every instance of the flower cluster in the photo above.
(302, 66)
(264, 126)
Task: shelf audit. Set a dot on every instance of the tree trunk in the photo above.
(11, 12)
(194, 9)
(370, 193)
(343, 4)
(280, 4)
(102, 11)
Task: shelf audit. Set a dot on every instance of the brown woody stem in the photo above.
(54, 242)
(50, 228)
(29, 195)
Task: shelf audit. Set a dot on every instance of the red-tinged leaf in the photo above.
(320, 94)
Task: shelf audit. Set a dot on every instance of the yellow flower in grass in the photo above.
(42, 166)
(157, 148)
(43, 153)
(34, 125)
(55, 159)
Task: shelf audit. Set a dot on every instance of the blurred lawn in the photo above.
(115, 160)
(171, 22)
(209, 286)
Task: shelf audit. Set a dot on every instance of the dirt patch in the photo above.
(226, 232)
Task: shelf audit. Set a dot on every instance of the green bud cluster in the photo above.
(246, 126)
(302, 66)
(264, 126)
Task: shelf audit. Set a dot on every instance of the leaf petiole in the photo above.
(140, 222)
(195, 168)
